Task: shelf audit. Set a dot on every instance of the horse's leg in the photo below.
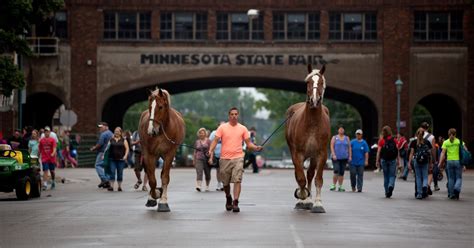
(165, 179)
(318, 206)
(150, 161)
(301, 193)
(307, 203)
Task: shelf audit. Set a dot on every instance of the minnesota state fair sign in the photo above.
(231, 59)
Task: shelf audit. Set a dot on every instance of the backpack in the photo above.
(423, 153)
(389, 149)
(465, 156)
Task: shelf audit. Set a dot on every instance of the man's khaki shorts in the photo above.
(231, 170)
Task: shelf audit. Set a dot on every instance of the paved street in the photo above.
(78, 214)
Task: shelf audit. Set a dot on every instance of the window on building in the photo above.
(183, 26)
(438, 26)
(353, 26)
(127, 26)
(60, 24)
(237, 26)
(296, 26)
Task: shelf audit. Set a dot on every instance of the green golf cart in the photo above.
(19, 172)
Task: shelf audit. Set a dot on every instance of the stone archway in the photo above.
(115, 107)
(39, 109)
(442, 120)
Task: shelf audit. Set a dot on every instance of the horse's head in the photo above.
(158, 107)
(315, 86)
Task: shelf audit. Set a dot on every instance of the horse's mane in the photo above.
(156, 92)
(314, 72)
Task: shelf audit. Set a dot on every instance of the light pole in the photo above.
(398, 85)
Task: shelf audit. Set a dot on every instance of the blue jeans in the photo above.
(116, 166)
(454, 174)
(421, 177)
(99, 167)
(389, 168)
(357, 176)
(405, 168)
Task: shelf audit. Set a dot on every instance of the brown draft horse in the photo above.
(161, 131)
(307, 134)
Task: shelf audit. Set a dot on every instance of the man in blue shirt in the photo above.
(105, 135)
(360, 159)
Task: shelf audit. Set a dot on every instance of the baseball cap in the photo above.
(47, 128)
(102, 123)
(359, 131)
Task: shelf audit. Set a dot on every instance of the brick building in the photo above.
(110, 51)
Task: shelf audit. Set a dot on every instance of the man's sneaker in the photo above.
(228, 203)
(53, 185)
(101, 185)
(456, 194)
(429, 191)
(341, 188)
(332, 187)
(45, 186)
(388, 194)
(235, 207)
(359, 190)
(353, 189)
(106, 185)
(436, 188)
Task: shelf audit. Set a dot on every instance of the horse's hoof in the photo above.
(317, 209)
(163, 207)
(150, 203)
(308, 206)
(298, 194)
(299, 205)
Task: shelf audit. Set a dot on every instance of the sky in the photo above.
(263, 114)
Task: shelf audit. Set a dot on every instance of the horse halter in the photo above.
(311, 76)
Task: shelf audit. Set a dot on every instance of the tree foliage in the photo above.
(16, 18)
(10, 74)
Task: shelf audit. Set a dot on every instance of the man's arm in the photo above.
(53, 154)
(210, 153)
(252, 146)
(441, 159)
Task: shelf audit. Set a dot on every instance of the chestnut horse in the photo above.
(307, 133)
(161, 131)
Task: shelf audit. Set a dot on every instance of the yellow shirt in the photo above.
(452, 149)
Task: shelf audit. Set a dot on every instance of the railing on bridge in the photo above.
(44, 46)
(86, 157)
(6, 103)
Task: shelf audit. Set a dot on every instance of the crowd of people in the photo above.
(50, 149)
(223, 149)
(231, 147)
(423, 155)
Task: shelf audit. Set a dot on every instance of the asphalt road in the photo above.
(78, 214)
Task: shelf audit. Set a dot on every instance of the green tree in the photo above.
(201, 109)
(16, 18)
